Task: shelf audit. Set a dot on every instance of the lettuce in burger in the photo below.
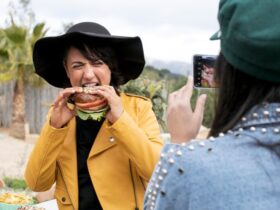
(90, 106)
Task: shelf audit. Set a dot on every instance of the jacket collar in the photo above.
(262, 123)
(260, 115)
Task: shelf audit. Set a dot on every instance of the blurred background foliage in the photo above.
(156, 84)
(15, 183)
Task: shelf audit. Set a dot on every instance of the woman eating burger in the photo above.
(98, 146)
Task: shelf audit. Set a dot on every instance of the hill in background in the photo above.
(176, 67)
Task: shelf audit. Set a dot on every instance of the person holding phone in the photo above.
(238, 166)
(98, 146)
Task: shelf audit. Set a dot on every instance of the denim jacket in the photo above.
(239, 170)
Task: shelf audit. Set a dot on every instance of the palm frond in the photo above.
(4, 55)
(17, 35)
(16, 44)
(38, 30)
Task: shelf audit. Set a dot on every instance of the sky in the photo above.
(171, 30)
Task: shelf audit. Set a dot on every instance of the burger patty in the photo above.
(88, 101)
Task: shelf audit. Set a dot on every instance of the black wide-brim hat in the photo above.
(48, 52)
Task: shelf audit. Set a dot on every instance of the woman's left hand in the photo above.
(114, 102)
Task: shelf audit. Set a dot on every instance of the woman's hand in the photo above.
(182, 122)
(61, 113)
(114, 102)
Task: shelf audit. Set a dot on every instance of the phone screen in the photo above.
(203, 71)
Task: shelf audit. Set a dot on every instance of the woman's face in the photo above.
(82, 72)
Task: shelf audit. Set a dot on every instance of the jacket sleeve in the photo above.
(140, 140)
(41, 167)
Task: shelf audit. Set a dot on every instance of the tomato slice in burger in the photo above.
(96, 103)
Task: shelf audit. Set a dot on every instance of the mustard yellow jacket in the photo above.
(120, 162)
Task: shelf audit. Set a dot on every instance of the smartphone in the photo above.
(204, 70)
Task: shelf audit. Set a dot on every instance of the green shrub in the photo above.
(16, 184)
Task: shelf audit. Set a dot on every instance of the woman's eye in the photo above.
(98, 63)
(78, 66)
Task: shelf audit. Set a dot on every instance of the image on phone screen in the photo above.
(203, 71)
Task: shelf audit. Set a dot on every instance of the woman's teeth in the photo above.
(90, 85)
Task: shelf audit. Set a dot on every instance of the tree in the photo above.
(16, 44)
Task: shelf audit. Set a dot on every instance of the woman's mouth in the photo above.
(91, 84)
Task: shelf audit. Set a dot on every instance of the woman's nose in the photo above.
(89, 72)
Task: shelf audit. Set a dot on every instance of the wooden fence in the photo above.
(38, 101)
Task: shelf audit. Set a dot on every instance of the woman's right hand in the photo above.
(182, 122)
(61, 113)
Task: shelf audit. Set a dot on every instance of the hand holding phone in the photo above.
(204, 70)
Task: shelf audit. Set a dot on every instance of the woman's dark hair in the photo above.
(94, 52)
(237, 93)
(209, 62)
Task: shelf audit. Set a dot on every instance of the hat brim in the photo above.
(216, 36)
(49, 51)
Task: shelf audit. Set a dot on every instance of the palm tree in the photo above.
(16, 44)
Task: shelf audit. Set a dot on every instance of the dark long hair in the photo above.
(98, 51)
(237, 93)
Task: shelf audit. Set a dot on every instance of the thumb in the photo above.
(199, 108)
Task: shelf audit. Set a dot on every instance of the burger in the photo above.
(89, 105)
